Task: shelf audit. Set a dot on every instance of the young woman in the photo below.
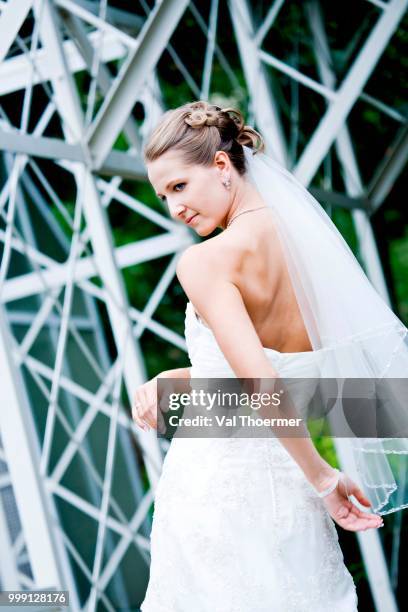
(239, 523)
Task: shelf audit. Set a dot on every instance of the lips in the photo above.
(191, 218)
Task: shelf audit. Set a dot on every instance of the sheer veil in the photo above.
(349, 322)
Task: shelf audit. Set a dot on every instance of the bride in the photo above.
(239, 524)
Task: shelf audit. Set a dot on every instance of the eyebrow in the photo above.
(168, 185)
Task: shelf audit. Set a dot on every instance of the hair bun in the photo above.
(187, 129)
(202, 114)
(243, 134)
(250, 138)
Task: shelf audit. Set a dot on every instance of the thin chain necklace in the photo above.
(243, 212)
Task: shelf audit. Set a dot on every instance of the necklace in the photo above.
(243, 212)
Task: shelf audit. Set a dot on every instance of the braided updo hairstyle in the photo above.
(199, 130)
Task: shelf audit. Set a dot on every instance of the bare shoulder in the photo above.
(218, 256)
(206, 271)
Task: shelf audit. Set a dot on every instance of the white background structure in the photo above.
(77, 477)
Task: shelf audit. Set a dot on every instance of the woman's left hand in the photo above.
(344, 512)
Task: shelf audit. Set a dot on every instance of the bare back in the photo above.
(264, 282)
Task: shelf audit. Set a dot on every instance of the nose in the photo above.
(177, 210)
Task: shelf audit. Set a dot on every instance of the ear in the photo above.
(222, 161)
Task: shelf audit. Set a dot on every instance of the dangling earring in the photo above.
(227, 183)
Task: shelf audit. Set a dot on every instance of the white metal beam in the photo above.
(103, 77)
(268, 21)
(16, 72)
(349, 91)
(118, 163)
(127, 255)
(119, 102)
(9, 579)
(353, 182)
(67, 102)
(389, 170)
(76, 9)
(48, 561)
(263, 107)
(119, 17)
(39, 146)
(11, 20)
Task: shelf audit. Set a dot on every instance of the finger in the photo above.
(148, 414)
(370, 525)
(352, 519)
(354, 489)
(139, 422)
(164, 405)
(349, 526)
(362, 514)
(165, 398)
(353, 526)
(351, 488)
(368, 522)
(164, 402)
(136, 413)
(161, 427)
(368, 516)
(359, 495)
(147, 418)
(359, 525)
(343, 512)
(150, 419)
(153, 411)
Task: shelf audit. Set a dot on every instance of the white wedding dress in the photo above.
(236, 525)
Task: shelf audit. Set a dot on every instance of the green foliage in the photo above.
(323, 442)
(399, 265)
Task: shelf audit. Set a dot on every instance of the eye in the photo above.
(177, 187)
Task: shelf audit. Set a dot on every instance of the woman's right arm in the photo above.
(145, 401)
(175, 374)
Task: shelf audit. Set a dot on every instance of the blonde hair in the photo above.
(199, 130)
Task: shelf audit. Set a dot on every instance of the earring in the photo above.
(227, 183)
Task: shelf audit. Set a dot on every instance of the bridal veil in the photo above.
(364, 343)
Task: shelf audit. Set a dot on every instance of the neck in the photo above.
(244, 197)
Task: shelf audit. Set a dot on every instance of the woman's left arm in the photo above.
(208, 280)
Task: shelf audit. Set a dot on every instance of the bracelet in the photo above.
(330, 488)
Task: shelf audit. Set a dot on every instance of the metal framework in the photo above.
(77, 477)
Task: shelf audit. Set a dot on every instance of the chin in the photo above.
(206, 227)
(208, 231)
(203, 232)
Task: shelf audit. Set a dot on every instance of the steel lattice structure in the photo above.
(74, 499)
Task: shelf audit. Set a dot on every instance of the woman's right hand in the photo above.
(145, 411)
